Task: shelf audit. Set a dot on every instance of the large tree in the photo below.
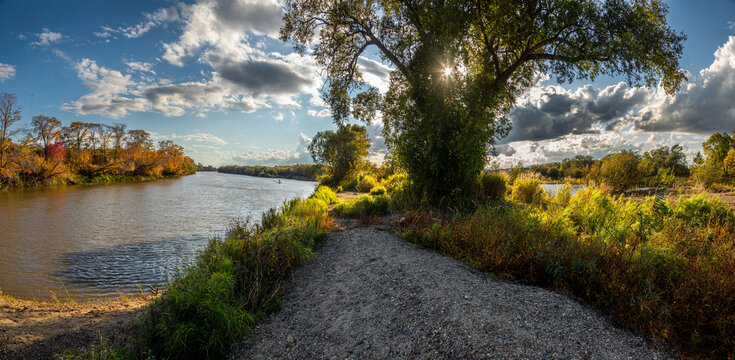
(460, 65)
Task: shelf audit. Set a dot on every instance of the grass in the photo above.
(364, 205)
(664, 267)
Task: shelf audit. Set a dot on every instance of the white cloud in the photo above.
(109, 90)
(115, 95)
(320, 113)
(278, 116)
(375, 73)
(156, 18)
(62, 55)
(299, 155)
(703, 106)
(223, 25)
(140, 66)
(47, 37)
(6, 72)
(203, 139)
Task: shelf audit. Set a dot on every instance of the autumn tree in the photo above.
(138, 140)
(94, 130)
(9, 115)
(75, 135)
(460, 65)
(105, 137)
(341, 150)
(46, 131)
(118, 137)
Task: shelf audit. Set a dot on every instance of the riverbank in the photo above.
(99, 180)
(39, 329)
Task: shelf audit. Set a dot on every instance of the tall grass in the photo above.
(364, 205)
(234, 283)
(665, 267)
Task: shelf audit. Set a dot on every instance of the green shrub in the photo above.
(364, 205)
(326, 180)
(349, 184)
(395, 181)
(491, 186)
(365, 183)
(378, 190)
(707, 175)
(704, 210)
(620, 171)
(527, 191)
(325, 194)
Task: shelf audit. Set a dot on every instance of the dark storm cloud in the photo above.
(265, 77)
(558, 112)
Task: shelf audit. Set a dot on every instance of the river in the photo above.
(94, 242)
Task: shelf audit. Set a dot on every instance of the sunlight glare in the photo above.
(447, 71)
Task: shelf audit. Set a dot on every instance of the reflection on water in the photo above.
(125, 268)
(93, 241)
(552, 189)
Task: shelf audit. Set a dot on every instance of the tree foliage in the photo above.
(85, 152)
(620, 171)
(9, 115)
(342, 150)
(717, 146)
(461, 64)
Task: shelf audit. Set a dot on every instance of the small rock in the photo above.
(289, 339)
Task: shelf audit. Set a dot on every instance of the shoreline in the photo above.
(268, 177)
(39, 329)
(119, 180)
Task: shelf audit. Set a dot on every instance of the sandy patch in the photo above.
(37, 329)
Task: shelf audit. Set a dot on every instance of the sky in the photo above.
(212, 76)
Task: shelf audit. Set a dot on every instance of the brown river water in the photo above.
(94, 242)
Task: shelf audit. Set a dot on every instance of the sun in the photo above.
(447, 71)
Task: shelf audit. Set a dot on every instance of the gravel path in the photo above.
(369, 294)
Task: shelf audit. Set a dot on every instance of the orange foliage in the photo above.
(88, 152)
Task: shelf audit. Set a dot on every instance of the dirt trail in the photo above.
(369, 294)
(38, 330)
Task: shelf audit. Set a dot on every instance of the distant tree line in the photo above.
(296, 172)
(51, 153)
(657, 167)
(201, 167)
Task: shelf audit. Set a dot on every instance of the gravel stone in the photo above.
(370, 295)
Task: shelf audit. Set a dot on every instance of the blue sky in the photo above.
(212, 75)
